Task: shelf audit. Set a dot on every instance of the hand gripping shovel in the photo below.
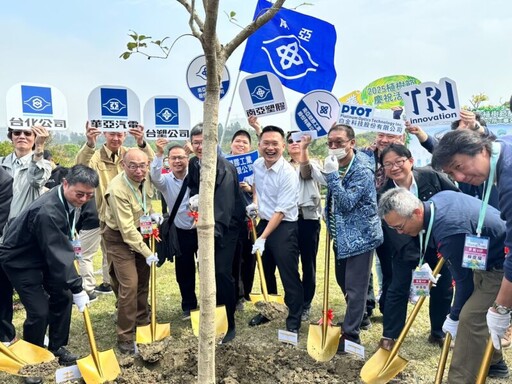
(11, 360)
(147, 334)
(442, 359)
(264, 296)
(384, 364)
(323, 339)
(98, 367)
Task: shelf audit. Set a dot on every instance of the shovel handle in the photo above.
(259, 262)
(411, 318)
(153, 292)
(326, 287)
(486, 362)
(442, 359)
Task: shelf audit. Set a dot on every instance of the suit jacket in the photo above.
(5, 197)
(429, 183)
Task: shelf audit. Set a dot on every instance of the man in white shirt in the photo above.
(276, 186)
(170, 185)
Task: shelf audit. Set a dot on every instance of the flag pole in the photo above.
(229, 109)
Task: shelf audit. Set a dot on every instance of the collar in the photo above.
(24, 159)
(109, 152)
(276, 166)
(413, 188)
(426, 214)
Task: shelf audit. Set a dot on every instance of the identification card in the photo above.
(475, 252)
(77, 248)
(420, 283)
(146, 228)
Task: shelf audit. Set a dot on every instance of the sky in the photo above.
(75, 46)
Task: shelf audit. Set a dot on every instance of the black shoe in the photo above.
(294, 330)
(66, 358)
(499, 370)
(33, 380)
(126, 347)
(305, 314)
(259, 319)
(341, 344)
(230, 335)
(439, 341)
(186, 315)
(103, 288)
(92, 296)
(366, 324)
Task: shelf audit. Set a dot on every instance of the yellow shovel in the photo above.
(442, 359)
(98, 367)
(323, 339)
(11, 362)
(221, 321)
(264, 296)
(147, 334)
(384, 364)
(486, 363)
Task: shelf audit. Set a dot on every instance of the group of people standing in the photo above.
(377, 203)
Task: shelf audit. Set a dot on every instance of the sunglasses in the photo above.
(25, 133)
(291, 141)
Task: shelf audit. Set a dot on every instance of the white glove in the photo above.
(259, 245)
(193, 203)
(498, 325)
(450, 326)
(81, 299)
(152, 259)
(252, 210)
(331, 164)
(426, 268)
(157, 218)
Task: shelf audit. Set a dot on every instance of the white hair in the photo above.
(399, 200)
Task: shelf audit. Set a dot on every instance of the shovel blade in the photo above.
(22, 353)
(376, 371)
(320, 348)
(143, 334)
(107, 370)
(221, 321)
(257, 297)
(10, 365)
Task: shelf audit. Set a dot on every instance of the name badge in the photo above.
(77, 248)
(146, 228)
(475, 252)
(420, 283)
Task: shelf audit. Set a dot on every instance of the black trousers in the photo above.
(385, 254)
(186, 268)
(244, 264)
(398, 294)
(309, 236)
(7, 330)
(225, 283)
(282, 250)
(47, 304)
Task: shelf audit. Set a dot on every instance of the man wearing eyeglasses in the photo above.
(128, 216)
(107, 162)
(38, 254)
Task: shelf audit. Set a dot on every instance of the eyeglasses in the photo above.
(25, 133)
(337, 143)
(134, 167)
(88, 195)
(291, 141)
(397, 163)
(174, 158)
(197, 143)
(399, 227)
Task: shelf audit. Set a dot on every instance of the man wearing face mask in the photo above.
(353, 223)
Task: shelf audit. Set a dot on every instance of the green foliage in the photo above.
(138, 42)
(5, 147)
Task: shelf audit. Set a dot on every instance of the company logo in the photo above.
(202, 72)
(36, 100)
(167, 115)
(114, 102)
(288, 58)
(323, 109)
(259, 89)
(167, 112)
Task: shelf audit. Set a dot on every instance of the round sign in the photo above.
(317, 111)
(196, 78)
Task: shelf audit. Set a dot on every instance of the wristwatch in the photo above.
(501, 309)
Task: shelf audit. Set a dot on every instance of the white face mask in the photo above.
(340, 153)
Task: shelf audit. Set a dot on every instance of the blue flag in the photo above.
(298, 48)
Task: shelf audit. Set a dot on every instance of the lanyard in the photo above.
(141, 202)
(350, 164)
(424, 240)
(488, 186)
(72, 234)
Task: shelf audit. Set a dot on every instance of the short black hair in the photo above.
(242, 132)
(196, 130)
(349, 131)
(82, 174)
(174, 147)
(272, 128)
(459, 142)
(399, 149)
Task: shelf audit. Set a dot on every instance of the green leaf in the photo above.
(126, 55)
(144, 37)
(232, 14)
(131, 46)
(157, 42)
(134, 35)
(143, 45)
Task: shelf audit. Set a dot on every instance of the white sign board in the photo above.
(31, 104)
(369, 119)
(166, 117)
(196, 78)
(66, 374)
(430, 103)
(262, 94)
(317, 111)
(112, 108)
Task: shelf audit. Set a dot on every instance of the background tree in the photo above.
(478, 99)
